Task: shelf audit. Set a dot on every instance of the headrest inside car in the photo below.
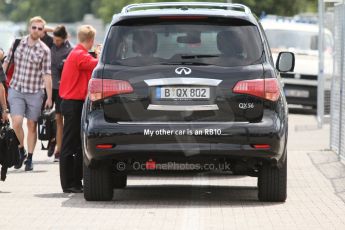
(229, 43)
(144, 42)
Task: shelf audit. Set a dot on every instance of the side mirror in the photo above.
(285, 62)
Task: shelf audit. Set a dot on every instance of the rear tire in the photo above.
(120, 180)
(272, 183)
(98, 184)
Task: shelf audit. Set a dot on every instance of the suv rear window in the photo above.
(183, 43)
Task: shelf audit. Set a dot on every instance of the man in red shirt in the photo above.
(73, 90)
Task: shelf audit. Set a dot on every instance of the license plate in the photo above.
(183, 93)
(296, 93)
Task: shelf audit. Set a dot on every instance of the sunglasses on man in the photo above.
(38, 28)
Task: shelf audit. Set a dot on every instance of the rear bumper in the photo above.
(183, 140)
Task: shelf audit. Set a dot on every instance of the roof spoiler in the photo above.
(186, 6)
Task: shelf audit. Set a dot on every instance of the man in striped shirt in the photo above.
(32, 74)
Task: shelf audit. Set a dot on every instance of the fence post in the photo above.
(320, 78)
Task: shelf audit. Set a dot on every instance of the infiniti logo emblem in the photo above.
(183, 70)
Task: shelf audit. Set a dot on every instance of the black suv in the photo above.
(186, 87)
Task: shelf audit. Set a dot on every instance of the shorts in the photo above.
(25, 104)
(57, 100)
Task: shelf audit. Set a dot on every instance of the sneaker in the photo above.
(28, 165)
(56, 157)
(22, 156)
(51, 148)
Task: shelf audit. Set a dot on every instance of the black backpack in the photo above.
(9, 152)
(46, 126)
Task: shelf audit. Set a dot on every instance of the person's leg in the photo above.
(59, 129)
(78, 157)
(52, 141)
(68, 146)
(17, 104)
(33, 111)
(32, 135)
(17, 123)
(59, 123)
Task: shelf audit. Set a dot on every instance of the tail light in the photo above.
(263, 88)
(104, 146)
(261, 146)
(102, 88)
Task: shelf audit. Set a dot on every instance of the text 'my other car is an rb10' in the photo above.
(190, 87)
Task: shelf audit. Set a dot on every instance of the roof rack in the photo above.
(187, 5)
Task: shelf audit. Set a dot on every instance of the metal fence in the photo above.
(337, 136)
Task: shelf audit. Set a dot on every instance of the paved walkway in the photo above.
(316, 195)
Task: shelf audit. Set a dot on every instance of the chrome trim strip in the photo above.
(183, 107)
(183, 81)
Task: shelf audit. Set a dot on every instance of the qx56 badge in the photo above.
(246, 105)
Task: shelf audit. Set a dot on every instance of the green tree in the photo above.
(74, 10)
(107, 8)
(57, 11)
(280, 7)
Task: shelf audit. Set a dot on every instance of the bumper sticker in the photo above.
(182, 132)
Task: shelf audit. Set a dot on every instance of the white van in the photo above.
(300, 86)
